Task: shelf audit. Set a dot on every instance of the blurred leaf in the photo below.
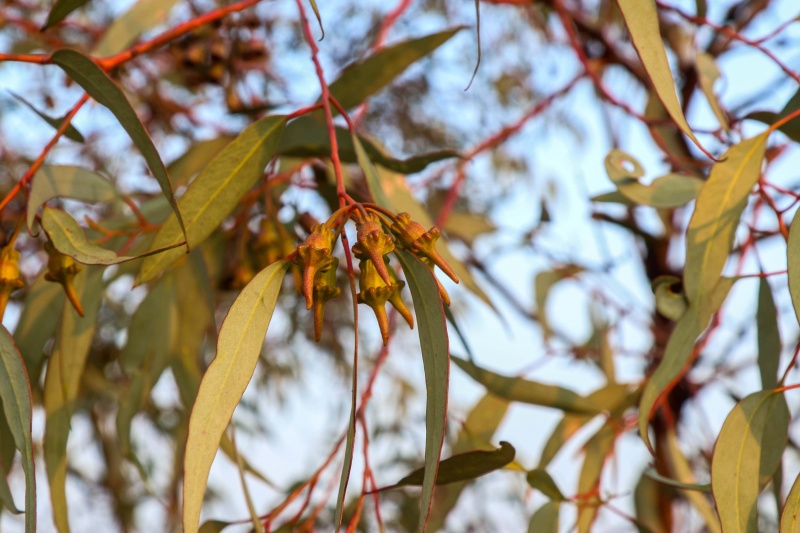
(7, 452)
(123, 32)
(52, 181)
(462, 467)
(670, 302)
(70, 133)
(226, 445)
(539, 479)
(793, 263)
(646, 498)
(612, 197)
(792, 128)
(319, 19)
(542, 284)
(678, 352)
(69, 239)
(468, 226)
(707, 74)
(360, 80)
(747, 452)
(672, 190)
(716, 215)
(214, 526)
(211, 197)
(545, 519)
(41, 312)
(652, 474)
(195, 158)
(525, 391)
(64, 371)
(61, 9)
(433, 341)
(790, 517)
(641, 18)
(769, 336)
(96, 82)
(376, 189)
(600, 446)
(15, 393)
(238, 347)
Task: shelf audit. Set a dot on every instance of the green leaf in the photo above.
(769, 336)
(678, 352)
(360, 80)
(666, 192)
(238, 347)
(79, 183)
(41, 312)
(433, 341)
(123, 32)
(790, 517)
(70, 133)
(707, 74)
(539, 479)
(545, 519)
(195, 158)
(525, 391)
(792, 128)
(612, 197)
(748, 450)
(96, 82)
(600, 446)
(216, 192)
(462, 467)
(214, 526)
(7, 452)
(62, 381)
(646, 497)
(61, 9)
(652, 474)
(641, 18)
(716, 215)
(468, 226)
(15, 393)
(543, 283)
(793, 263)
(319, 19)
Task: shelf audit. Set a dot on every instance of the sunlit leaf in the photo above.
(790, 517)
(539, 479)
(641, 18)
(216, 191)
(526, 391)
(769, 336)
(543, 284)
(597, 449)
(678, 352)
(61, 9)
(545, 519)
(462, 467)
(15, 393)
(748, 450)
(707, 74)
(79, 183)
(70, 133)
(238, 347)
(716, 215)
(62, 380)
(123, 32)
(433, 342)
(358, 81)
(96, 82)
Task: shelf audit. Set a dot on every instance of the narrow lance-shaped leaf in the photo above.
(61, 9)
(67, 181)
(707, 74)
(769, 336)
(436, 362)
(96, 82)
(597, 449)
(748, 450)
(790, 517)
(71, 132)
(238, 347)
(716, 215)
(525, 391)
(8, 450)
(641, 19)
(541, 480)
(40, 315)
(545, 519)
(678, 352)
(216, 191)
(646, 497)
(122, 33)
(793, 263)
(15, 393)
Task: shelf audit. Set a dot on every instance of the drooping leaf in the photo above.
(672, 190)
(319, 18)
(41, 312)
(96, 82)
(769, 336)
(792, 128)
(543, 283)
(61, 9)
(71, 132)
(678, 352)
(8, 450)
(79, 183)
(432, 330)
(195, 158)
(360, 80)
(716, 215)
(123, 32)
(525, 391)
(790, 517)
(216, 191)
(641, 18)
(646, 497)
(699, 487)
(597, 449)
(15, 393)
(462, 467)
(748, 450)
(793, 264)
(238, 347)
(539, 479)
(545, 519)
(64, 371)
(707, 74)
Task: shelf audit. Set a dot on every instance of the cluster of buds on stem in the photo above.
(378, 234)
(62, 269)
(10, 276)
